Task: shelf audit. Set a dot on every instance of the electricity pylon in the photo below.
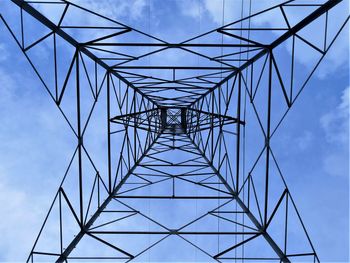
(183, 159)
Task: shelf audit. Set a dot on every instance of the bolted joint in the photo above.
(173, 231)
(80, 141)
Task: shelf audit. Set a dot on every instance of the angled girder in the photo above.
(61, 32)
(219, 68)
(102, 207)
(186, 128)
(268, 49)
(183, 143)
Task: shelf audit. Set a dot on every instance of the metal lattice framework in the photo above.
(173, 136)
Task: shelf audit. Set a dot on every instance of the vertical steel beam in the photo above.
(267, 138)
(135, 129)
(63, 257)
(80, 139)
(163, 116)
(238, 130)
(109, 132)
(184, 119)
(60, 32)
(254, 220)
(262, 225)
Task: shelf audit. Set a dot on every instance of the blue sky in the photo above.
(312, 145)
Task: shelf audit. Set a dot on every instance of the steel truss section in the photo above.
(172, 142)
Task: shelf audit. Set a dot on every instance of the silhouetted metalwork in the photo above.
(172, 133)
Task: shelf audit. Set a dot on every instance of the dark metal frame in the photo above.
(201, 113)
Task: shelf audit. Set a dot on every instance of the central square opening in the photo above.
(174, 117)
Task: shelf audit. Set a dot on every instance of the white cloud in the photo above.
(28, 174)
(19, 219)
(213, 9)
(3, 52)
(336, 127)
(7, 87)
(17, 208)
(124, 12)
(336, 123)
(232, 9)
(191, 8)
(336, 165)
(338, 55)
(306, 55)
(115, 8)
(304, 141)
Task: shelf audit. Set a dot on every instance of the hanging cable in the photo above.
(149, 191)
(196, 201)
(240, 63)
(222, 52)
(244, 119)
(222, 35)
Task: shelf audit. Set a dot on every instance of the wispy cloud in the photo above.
(16, 207)
(306, 56)
(313, 33)
(212, 10)
(28, 163)
(304, 141)
(3, 52)
(335, 125)
(22, 209)
(116, 8)
(336, 122)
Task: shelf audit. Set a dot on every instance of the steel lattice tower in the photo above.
(174, 137)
